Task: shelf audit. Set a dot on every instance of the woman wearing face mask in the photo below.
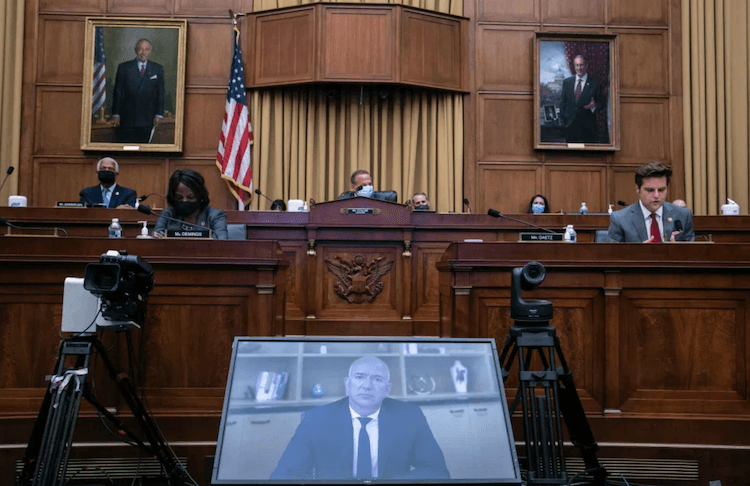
(538, 205)
(188, 197)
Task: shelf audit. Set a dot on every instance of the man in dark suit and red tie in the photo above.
(651, 219)
(138, 98)
(364, 435)
(582, 98)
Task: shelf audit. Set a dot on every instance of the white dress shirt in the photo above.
(373, 433)
(647, 219)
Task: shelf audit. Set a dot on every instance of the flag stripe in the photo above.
(99, 82)
(234, 157)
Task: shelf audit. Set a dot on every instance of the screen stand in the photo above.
(45, 460)
(545, 461)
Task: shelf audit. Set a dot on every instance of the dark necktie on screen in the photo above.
(578, 89)
(655, 229)
(143, 70)
(364, 462)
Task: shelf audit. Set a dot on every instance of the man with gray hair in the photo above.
(108, 192)
(363, 435)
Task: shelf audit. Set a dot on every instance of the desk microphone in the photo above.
(7, 174)
(466, 203)
(88, 202)
(143, 198)
(5, 222)
(143, 208)
(497, 214)
(257, 191)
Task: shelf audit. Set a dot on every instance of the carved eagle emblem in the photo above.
(358, 281)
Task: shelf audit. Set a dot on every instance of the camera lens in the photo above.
(532, 274)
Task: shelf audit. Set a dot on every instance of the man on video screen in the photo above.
(364, 435)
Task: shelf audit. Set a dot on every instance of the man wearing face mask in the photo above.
(362, 187)
(420, 202)
(108, 192)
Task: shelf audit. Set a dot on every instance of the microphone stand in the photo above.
(7, 174)
(497, 214)
(145, 209)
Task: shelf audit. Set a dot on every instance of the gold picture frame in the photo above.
(590, 118)
(124, 108)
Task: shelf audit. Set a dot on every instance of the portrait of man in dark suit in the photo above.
(364, 435)
(138, 96)
(582, 98)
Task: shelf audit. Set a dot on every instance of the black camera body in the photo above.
(123, 282)
(528, 277)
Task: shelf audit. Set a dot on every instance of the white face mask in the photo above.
(366, 191)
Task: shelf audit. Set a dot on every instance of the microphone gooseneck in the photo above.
(497, 214)
(466, 203)
(622, 203)
(143, 208)
(257, 191)
(7, 174)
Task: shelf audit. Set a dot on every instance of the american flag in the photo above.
(236, 134)
(99, 94)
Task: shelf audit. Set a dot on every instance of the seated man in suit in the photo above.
(362, 186)
(108, 192)
(651, 217)
(364, 435)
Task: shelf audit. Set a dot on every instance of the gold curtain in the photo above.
(11, 69)
(308, 141)
(715, 97)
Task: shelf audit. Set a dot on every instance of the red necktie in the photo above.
(655, 229)
(143, 69)
(578, 89)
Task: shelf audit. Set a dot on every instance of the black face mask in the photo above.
(422, 208)
(106, 176)
(185, 208)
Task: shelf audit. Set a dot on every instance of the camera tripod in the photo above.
(542, 413)
(46, 457)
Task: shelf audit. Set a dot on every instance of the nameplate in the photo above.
(191, 233)
(541, 236)
(359, 211)
(61, 204)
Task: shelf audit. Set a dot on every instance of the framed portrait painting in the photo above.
(576, 96)
(133, 84)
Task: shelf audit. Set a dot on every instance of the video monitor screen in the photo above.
(309, 410)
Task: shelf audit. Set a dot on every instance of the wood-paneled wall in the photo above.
(501, 168)
(52, 166)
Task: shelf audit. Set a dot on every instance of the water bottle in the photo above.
(610, 210)
(584, 209)
(115, 230)
(570, 234)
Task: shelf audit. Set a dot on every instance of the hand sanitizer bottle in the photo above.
(570, 234)
(144, 230)
(115, 230)
(609, 209)
(584, 209)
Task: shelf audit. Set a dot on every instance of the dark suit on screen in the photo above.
(629, 226)
(579, 122)
(120, 195)
(137, 100)
(322, 446)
